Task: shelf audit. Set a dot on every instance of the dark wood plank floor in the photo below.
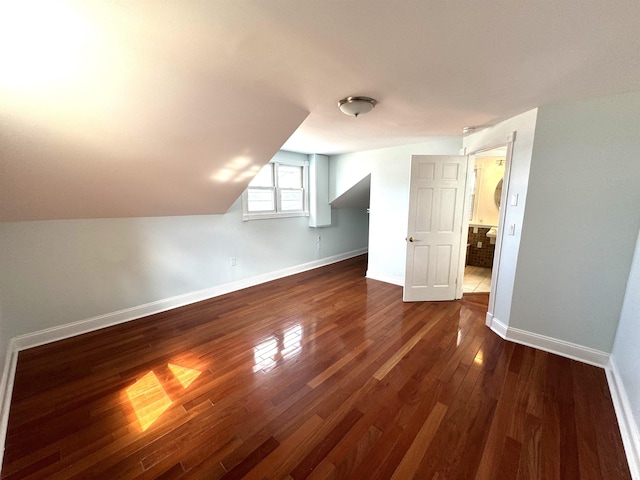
(320, 375)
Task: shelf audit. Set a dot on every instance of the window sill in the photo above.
(264, 216)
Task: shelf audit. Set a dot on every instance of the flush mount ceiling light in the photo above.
(356, 105)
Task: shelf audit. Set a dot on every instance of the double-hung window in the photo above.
(279, 190)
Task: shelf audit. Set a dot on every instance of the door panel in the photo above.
(425, 200)
(447, 210)
(443, 266)
(421, 253)
(435, 226)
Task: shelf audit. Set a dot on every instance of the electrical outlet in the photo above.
(233, 261)
(479, 244)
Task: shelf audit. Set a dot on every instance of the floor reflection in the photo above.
(278, 347)
(184, 375)
(479, 359)
(148, 399)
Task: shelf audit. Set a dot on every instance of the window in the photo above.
(278, 190)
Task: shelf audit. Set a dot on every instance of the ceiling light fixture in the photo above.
(356, 105)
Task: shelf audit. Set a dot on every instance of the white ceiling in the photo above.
(140, 108)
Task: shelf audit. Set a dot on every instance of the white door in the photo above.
(434, 236)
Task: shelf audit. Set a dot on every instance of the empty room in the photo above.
(319, 240)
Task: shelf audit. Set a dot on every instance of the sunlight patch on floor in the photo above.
(149, 400)
(184, 375)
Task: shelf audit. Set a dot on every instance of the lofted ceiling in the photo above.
(143, 108)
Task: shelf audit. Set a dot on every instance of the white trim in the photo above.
(381, 277)
(29, 340)
(560, 347)
(488, 320)
(574, 351)
(502, 214)
(497, 326)
(277, 212)
(61, 332)
(628, 428)
(6, 390)
(464, 233)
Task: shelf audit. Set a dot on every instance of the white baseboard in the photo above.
(549, 344)
(385, 278)
(488, 319)
(30, 340)
(6, 390)
(496, 325)
(630, 434)
(559, 347)
(68, 330)
(624, 413)
(628, 428)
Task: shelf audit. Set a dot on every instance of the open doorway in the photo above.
(485, 200)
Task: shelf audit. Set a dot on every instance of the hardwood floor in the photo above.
(320, 375)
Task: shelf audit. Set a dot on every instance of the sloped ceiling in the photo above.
(357, 196)
(143, 108)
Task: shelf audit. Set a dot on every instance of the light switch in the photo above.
(512, 229)
(514, 199)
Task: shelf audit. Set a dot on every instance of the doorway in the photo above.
(500, 231)
(435, 266)
(485, 199)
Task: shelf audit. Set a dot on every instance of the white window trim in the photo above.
(246, 215)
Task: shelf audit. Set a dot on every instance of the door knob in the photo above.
(411, 239)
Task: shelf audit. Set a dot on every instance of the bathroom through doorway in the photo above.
(485, 197)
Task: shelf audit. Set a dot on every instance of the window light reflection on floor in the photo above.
(149, 400)
(478, 360)
(278, 347)
(184, 375)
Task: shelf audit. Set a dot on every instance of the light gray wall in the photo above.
(524, 125)
(581, 221)
(390, 170)
(56, 272)
(625, 355)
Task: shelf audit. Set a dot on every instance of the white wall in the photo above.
(625, 358)
(56, 272)
(390, 175)
(581, 221)
(524, 125)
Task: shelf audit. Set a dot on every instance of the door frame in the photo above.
(506, 183)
